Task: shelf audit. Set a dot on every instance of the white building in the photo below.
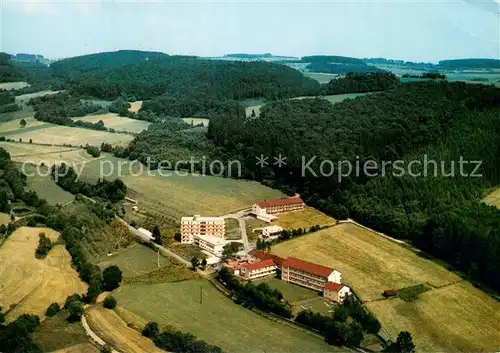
(212, 245)
(205, 226)
(271, 207)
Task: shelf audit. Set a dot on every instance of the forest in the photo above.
(360, 83)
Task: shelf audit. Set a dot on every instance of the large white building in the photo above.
(307, 274)
(204, 226)
(257, 270)
(272, 207)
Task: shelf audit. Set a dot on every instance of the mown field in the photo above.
(15, 125)
(13, 85)
(30, 285)
(134, 260)
(119, 123)
(24, 98)
(45, 187)
(216, 320)
(65, 135)
(371, 264)
(109, 326)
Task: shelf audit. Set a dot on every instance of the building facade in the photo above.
(336, 292)
(272, 207)
(205, 226)
(307, 274)
(250, 271)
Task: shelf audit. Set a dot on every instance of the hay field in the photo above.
(455, 318)
(109, 326)
(368, 262)
(135, 106)
(15, 125)
(28, 284)
(48, 155)
(303, 219)
(119, 123)
(4, 218)
(217, 320)
(197, 121)
(79, 348)
(65, 135)
(135, 260)
(14, 85)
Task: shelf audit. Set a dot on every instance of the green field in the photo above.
(134, 260)
(216, 320)
(45, 187)
(321, 77)
(493, 198)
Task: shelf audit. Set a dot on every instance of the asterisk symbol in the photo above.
(280, 160)
(262, 161)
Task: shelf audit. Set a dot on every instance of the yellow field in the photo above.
(65, 135)
(197, 121)
(135, 106)
(303, 219)
(49, 155)
(368, 262)
(13, 85)
(109, 326)
(30, 285)
(493, 198)
(79, 348)
(15, 125)
(114, 121)
(453, 316)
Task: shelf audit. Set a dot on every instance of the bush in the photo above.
(53, 309)
(109, 302)
(44, 246)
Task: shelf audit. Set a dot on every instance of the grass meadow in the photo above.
(216, 320)
(13, 85)
(196, 121)
(45, 187)
(451, 316)
(304, 219)
(30, 285)
(493, 198)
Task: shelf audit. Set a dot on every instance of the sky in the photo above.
(421, 30)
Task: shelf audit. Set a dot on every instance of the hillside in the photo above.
(9, 73)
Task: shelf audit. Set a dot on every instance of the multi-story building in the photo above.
(210, 244)
(336, 292)
(197, 225)
(307, 274)
(259, 269)
(271, 207)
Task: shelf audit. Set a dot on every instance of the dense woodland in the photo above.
(360, 83)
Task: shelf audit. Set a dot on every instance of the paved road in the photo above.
(163, 249)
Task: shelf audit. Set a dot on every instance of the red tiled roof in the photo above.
(305, 266)
(281, 202)
(333, 286)
(260, 264)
